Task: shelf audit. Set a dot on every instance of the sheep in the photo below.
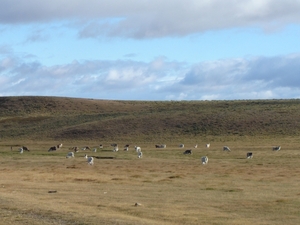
(25, 148)
(181, 146)
(137, 149)
(75, 149)
(85, 148)
(53, 148)
(161, 146)
(95, 150)
(196, 146)
(204, 160)
(187, 152)
(116, 148)
(21, 150)
(70, 154)
(100, 146)
(126, 147)
(249, 155)
(85, 156)
(208, 145)
(90, 160)
(59, 145)
(140, 154)
(276, 148)
(226, 148)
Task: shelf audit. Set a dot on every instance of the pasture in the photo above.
(41, 187)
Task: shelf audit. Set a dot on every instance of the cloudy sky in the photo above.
(150, 50)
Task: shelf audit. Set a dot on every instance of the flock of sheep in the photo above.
(204, 159)
(90, 159)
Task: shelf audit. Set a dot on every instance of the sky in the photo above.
(151, 50)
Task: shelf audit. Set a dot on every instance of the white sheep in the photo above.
(138, 149)
(70, 155)
(140, 155)
(90, 160)
(204, 160)
(21, 150)
(226, 148)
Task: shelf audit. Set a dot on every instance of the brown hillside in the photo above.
(58, 118)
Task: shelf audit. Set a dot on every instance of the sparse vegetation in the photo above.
(51, 118)
(40, 187)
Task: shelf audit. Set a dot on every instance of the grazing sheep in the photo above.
(196, 146)
(276, 148)
(226, 148)
(60, 145)
(25, 148)
(161, 146)
(140, 155)
(208, 145)
(137, 148)
(101, 146)
(126, 147)
(187, 152)
(181, 146)
(90, 160)
(116, 148)
(75, 149)
(85, 156)
(70, 154)
(249, 155)
(95, 150)
(21, 150)
(204, 160)
(85, 148)
(53, 148)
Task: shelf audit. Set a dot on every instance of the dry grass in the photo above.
(172, 188)
(68, 119)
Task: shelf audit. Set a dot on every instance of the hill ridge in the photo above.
(63, 118)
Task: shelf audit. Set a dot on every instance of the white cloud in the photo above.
(151, 19)
(160, 79)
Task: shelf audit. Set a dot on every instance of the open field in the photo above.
(172, 188)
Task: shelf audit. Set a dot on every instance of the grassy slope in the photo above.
(173, 188)
(55, 118)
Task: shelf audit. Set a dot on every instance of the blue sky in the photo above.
(151, 50)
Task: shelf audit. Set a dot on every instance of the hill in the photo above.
(59, 118)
